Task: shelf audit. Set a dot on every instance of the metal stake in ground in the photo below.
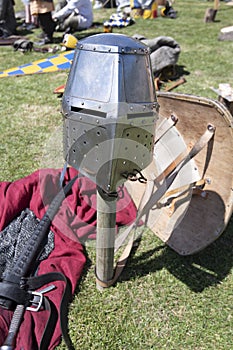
(105, 237)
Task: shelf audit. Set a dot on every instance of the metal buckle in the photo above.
(37, 299)
(36, 302)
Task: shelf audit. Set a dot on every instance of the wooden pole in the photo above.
(105, 237)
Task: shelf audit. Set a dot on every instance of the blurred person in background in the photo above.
(43, 11)
(72, 15)
(30, 21)
(7, 18)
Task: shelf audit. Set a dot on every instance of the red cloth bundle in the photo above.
(74, 223)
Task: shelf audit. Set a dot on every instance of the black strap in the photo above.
(50, 324)
(13, 292)
(23, 297)
(39, 281)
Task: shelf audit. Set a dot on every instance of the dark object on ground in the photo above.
(9, 40)
(23, 45)
(210, 15)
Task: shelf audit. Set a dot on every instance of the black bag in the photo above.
(23, 45)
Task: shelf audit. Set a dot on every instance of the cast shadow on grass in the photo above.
(181, 71)
(199, 271)
(87, 267)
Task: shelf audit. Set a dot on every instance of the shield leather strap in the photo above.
(149, 199)
(164, 127)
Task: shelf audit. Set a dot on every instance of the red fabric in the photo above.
(75, 222)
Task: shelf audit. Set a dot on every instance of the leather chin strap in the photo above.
(150, 198)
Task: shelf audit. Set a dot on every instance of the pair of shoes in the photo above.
(4, 33)
(27, 26)
(45, 41)
(30, 26)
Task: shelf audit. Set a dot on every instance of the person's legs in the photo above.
(27, 12)
(60, 5)
(3, 9)
(7, 17)
(30, 21)
(71, 22)
(47, 25)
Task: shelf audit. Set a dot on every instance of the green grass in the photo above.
(163, 300)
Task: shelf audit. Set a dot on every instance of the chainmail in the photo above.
(15, 236)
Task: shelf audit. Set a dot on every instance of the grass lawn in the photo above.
(163, 300)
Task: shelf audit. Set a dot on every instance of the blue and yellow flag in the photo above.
(51, 64)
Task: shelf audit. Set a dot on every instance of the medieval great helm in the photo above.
(109, 108)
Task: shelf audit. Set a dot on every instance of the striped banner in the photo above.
(52, 64)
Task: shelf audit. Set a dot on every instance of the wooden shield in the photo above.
(197, 206)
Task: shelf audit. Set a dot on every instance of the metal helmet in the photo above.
(109, 107)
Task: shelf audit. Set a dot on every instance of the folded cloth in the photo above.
(119, 20)
(165, 52)
(74, 223)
